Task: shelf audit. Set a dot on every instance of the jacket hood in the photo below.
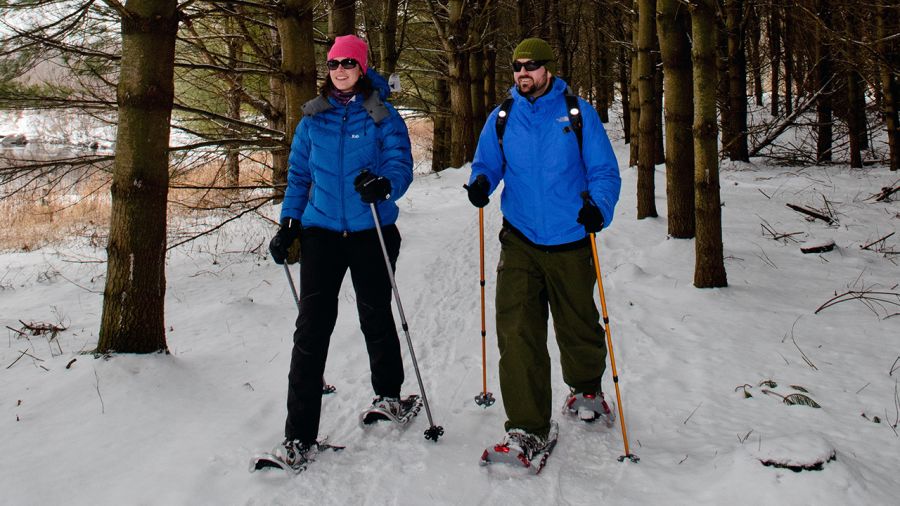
(379, 83)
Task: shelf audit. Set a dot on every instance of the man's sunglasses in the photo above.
(530, 65)
(347, 63)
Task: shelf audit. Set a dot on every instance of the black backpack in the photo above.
(572, 109)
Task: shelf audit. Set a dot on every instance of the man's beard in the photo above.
(534, 89)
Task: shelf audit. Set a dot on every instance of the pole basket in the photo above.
(632, 457)
(434, 432)
(485, 399)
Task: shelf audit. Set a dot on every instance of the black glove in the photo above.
(591, 217)
(372, 188)
(285, 246)
(478, 191)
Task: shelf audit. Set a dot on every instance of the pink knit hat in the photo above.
(350, 46)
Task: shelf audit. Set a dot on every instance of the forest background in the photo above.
(203, 96)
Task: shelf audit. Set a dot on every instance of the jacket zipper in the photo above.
(341, 165)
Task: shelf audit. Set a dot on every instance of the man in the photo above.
(545, 257)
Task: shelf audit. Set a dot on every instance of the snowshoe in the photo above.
(522, 449)
(291, 456)
(590, 408)
(392, 409)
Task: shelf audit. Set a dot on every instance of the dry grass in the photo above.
(36, 217)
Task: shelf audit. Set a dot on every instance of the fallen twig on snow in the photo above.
(885, 194)
(811, 212)
(819, 248)
(868, 297)
(876, 241)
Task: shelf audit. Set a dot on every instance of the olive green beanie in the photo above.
(536, 49)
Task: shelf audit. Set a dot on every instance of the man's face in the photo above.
(531, 82)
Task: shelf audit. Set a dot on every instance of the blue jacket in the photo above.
(330, 149)
(545, 174)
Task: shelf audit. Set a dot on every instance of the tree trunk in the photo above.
(276, 120)
(133, 319)
(461, 143)
(235, 54)
(635, 103)
(658, 98)
(709, 267)
(646, 198)
(298, 67)
(673, 25)
(624, 91)
(856, 119)
(754, 29)
(824, 81)
(787, 20)
(887, 24)
(440, 143)
(775, 55)
(603, 46)
(342, 19)
(476, 68)
(388, 43)
(736, 143)
(559, 35)
(490, 77)
(855, 103)
(523, 20)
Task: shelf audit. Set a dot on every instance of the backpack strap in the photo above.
(500, 125)
(574, 111)
(502, 117)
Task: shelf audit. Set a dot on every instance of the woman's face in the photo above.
(344, 78)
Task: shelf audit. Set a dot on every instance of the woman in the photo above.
(343, 158)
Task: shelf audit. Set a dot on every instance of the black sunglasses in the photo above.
(347, 63)
(530, 65)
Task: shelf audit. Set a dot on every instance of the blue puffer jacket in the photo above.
(545, 174)
(330, 149)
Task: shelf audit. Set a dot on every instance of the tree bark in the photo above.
(624, 90)
(887, 24)
(646, 188)
(476, 68)
(461, 144)
(133, 319)
(342, 19)
(235, 55)
(673, 25)
(298, 66)
(736, 142)
(775, 55)
(788, 23)
(754, 29)
(709, 266)
(635, 103)
(824, 81)
(388, 43)
(440, 150)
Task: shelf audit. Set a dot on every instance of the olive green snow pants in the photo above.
(528, 280)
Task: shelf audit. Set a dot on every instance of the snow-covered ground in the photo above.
(180, 429)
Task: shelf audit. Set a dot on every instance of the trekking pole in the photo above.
(485, 398)
(434, 431)
(612, 356)
(326, 388)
